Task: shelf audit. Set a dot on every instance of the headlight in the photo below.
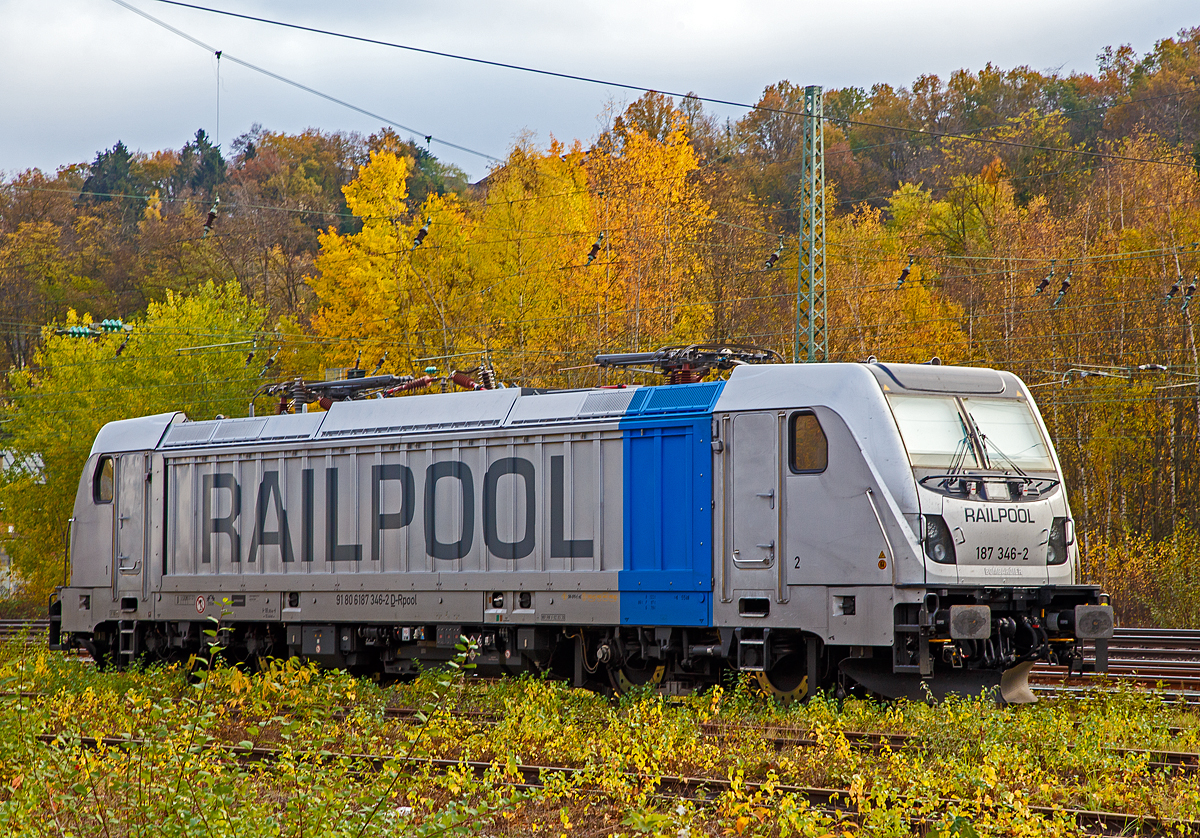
(1060, 537)
(939, 546)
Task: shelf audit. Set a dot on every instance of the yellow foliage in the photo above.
(874, 317)
(529, 251)
(513, 278)
(381, 293)
(1155, 583)
(652, 208)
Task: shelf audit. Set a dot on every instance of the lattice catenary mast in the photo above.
(810, 280)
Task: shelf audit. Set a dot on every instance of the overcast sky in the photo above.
(78, 75)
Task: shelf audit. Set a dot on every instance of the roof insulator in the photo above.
(422, 233)
(212, 218)
(1065, 287)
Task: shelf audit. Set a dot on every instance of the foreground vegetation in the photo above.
(172, 764)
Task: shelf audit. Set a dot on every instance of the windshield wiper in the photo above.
(960, 452)
(986, 444)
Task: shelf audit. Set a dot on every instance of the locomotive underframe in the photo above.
(1024, 625)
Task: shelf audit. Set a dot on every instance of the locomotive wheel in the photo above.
(627, 678)
(786, 680)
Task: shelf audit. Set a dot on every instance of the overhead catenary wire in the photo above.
(1109, 257)
(269, 335)
(851, 290)
(867, 288)
(300, 86)
(646, 89)
(200, 43)
(1082, 308)
(519, 352)
(857, 288)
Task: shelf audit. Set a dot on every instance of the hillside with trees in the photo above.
(1050, 225)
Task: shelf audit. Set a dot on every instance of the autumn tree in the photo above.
(547, 294)
(380, 291)
(870, 312)
(652, 211)
(201, 167)
(565, 255)
(73, 386)
(115, 178)
(427, 174)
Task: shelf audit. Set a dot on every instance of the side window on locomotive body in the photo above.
(102, 480)
(808, 449)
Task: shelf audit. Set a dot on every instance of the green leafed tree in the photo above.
(76, 385)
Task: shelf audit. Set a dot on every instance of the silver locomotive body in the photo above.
(894, 525)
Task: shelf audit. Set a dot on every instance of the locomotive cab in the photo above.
(988, 487)
(925, 494)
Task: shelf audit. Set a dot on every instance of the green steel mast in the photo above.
(810, 335)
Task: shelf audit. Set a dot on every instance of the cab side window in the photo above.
(809, 450)
(102, 481)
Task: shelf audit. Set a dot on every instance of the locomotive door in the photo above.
(129, 557)
(754, 510)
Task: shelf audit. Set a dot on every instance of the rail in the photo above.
(12, 628)
(700, 790)
(1167, 660)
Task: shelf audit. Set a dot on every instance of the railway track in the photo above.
(1163, 659)
(782, 738)
(13, 628)
(701, 790)
(1167, 660)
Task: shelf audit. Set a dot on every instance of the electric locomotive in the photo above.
(899, 527)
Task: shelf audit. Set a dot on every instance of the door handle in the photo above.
(769, 495)
(759, 562)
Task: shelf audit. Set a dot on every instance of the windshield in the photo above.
(1009, 433)
(933, 431)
